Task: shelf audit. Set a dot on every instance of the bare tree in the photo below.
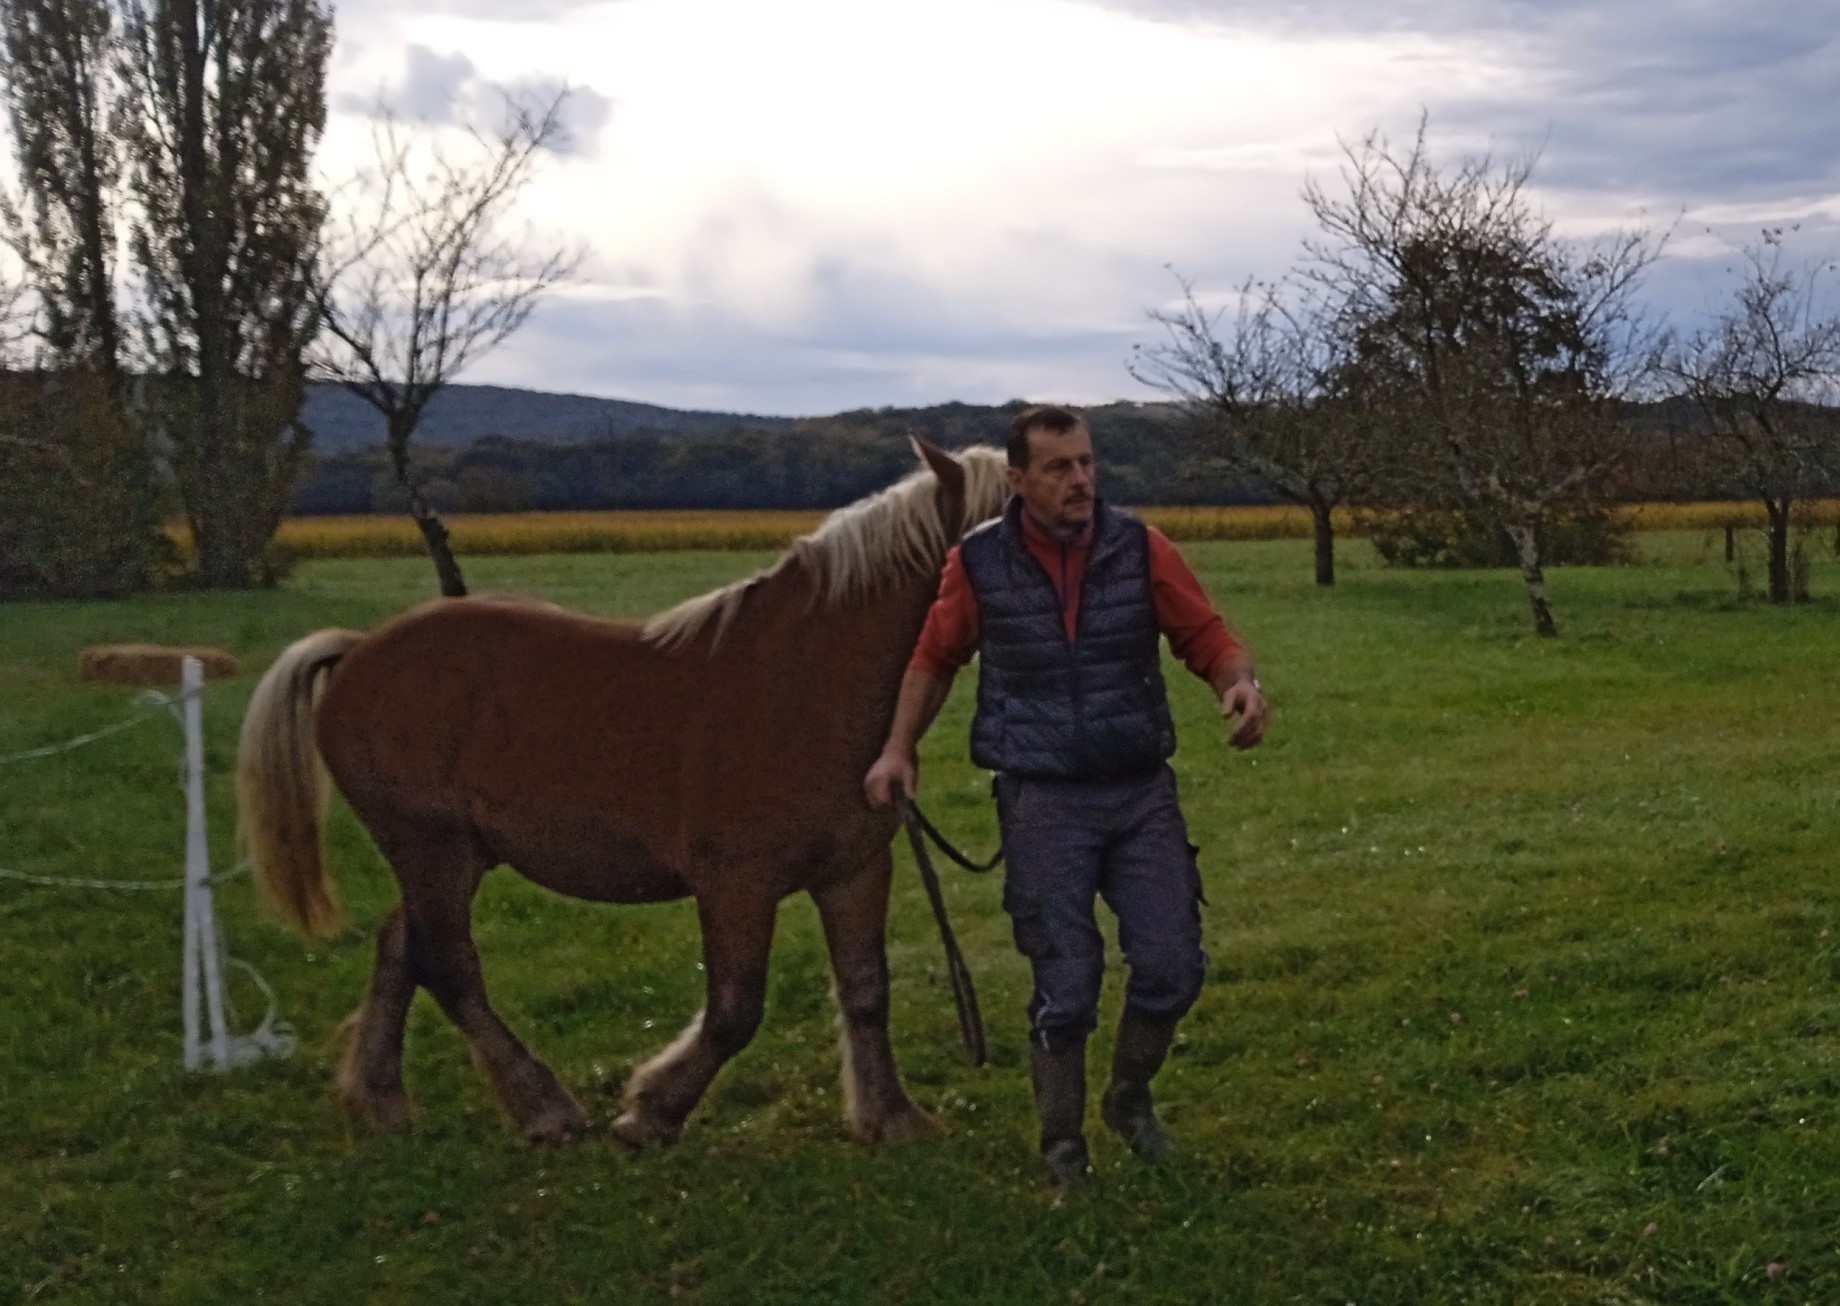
(1496, 349)
(1273, 392)
(1765, 374)
(427, 279)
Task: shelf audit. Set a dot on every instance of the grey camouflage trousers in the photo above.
(1068, 843)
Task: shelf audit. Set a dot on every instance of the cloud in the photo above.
(1676, 101)
(840, 203)
(585, 112)
(1712, 119)
(498, 11)
(1314, 17)
(868, 336)
(1686, 110)
(435, 88)
(448, 89)
(435, 85)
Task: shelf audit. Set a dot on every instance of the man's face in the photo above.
(1057, 485)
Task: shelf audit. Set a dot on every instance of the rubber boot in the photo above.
(1143, 1042)
(1060, 1101)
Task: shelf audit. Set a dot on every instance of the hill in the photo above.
(462, 414)
(496, 449)
(714, 460)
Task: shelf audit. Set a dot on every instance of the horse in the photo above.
(715, 751)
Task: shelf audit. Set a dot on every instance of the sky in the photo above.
(806, 206)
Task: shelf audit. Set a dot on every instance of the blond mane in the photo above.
(857, 550)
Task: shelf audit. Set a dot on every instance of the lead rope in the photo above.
(964, 992)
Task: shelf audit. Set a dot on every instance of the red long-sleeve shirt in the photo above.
(1195, 631)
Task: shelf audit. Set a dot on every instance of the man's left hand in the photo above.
(1244, 700)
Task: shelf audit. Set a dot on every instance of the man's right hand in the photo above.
(890, 769)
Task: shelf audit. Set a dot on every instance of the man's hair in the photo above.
(1051, 418)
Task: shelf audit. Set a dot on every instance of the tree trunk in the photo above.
(434, 532)
(1325, 543)
(427, 520)
(1778, 510)
(1527, 544)
(222, 560)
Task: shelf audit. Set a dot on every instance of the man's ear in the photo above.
(944, 466)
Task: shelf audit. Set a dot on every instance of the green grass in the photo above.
(1520, 948)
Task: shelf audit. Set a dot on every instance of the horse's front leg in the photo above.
(737, 937)
(854, 911)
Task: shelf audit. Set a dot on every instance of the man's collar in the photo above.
(1043, 534)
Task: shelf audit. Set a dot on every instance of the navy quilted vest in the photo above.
(1092, 708)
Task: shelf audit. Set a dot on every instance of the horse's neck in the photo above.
(859, 641)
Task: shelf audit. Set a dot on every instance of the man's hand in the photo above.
(890, 769)
(922, 694)
(1244, 700)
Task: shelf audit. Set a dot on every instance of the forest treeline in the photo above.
(1149, 454)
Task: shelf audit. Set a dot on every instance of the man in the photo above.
(1064, 599)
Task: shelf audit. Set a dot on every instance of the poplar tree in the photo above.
(79, 494)
(223, 104)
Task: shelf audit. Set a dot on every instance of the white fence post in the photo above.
(202, 962)
(204, 959)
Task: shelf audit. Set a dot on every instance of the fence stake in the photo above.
(201, 957)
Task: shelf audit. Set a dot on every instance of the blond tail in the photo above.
(282, 787)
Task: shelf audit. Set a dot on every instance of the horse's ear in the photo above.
(944, 466)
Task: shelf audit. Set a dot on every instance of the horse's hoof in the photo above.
(383, 1113)
(558, 1124)
(639, 1131)
(908, 1125)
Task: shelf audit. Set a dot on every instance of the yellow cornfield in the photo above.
(1277, 521)
(1715, 516)
(483, 534)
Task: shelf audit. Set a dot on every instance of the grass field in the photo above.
(1524, 991)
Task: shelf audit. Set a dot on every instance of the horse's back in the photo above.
(484, 711)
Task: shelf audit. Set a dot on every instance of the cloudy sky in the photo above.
(802, 206)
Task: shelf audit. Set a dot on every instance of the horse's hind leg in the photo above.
(530, 1091)
(737, 936)
(439, 870)
(370, 1077)
(854, 912)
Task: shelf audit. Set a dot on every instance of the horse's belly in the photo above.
(615, 868)
(625, 886)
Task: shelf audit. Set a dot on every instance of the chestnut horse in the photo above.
(716, 751)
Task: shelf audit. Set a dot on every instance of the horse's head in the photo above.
(972, 487)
